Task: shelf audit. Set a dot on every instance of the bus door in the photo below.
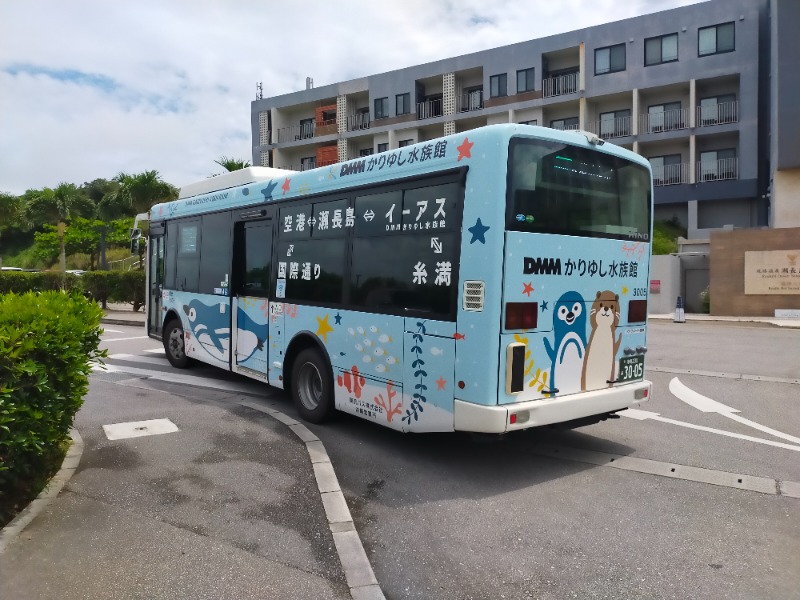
(250, 311)
(155, 280)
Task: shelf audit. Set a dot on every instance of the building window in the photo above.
(306, 129)
(718, 109)
(667, 170)
(497, 85)
(526, 81)
(568, 123)
(531, 122)
(381, 108)
(383, 147)
(665, 117)
(609, 60)
(716, 39)
(718, 164)
(661, 49)
(365, 152)
(309, 162)
(403, 143)
(615, 124)
(403, 104)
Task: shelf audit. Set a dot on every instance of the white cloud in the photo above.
(98, 87)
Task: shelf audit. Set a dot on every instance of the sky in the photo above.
(92, 88)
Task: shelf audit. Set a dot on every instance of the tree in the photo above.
(232, 164)
(143, 190)
(9, 213)
(56, 207)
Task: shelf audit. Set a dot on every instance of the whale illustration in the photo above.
(250, 336)
(209, 326)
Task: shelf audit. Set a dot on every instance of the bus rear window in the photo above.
(558, 188)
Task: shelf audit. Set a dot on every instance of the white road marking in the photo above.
(641, 415)
(723, 375)
(141, 359)
(179, 378)
(156, 351)
(702, 403)
(138, 337)
(107, 330)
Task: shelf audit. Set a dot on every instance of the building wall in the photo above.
(727, 271)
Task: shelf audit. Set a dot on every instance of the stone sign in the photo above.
(772, 272)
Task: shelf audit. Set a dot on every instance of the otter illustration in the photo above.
(569, 343)
(601, 351)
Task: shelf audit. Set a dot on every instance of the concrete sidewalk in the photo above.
(230, 505)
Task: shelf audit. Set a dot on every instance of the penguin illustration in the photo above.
(569, 343)
(250, 336)
(210, 327)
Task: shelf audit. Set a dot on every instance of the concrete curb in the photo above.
(357, 568)
(129, 323)
(50, 491)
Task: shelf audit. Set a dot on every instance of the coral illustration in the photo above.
(391, 410)
(354, 382)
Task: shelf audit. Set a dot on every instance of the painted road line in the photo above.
(107, 330)
(156, 351)
(704, 404)
(125, 339)
(723, 375)
(641, 415)
(148, 360)
(172, 377)
(763, 485)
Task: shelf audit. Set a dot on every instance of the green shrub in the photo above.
(104, 286)
(47, 343)
(20, 282)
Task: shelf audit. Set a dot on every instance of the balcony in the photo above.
(470, 101)
(668, 120)
(717, 114)
(560, 85)
(358, 121)
(307, 165)
(429, 109)
(612, 128)
(295, 133)
(671, 174)
(718, 170)
(565, 127)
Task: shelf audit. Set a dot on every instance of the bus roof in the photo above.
(232, 179)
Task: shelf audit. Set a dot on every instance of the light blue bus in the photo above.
(488, 281)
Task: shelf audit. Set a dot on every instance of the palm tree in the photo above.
(232, 164)
(9, 213)
(143, 190)
(56, 207)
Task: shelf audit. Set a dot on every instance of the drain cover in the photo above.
(120, 431)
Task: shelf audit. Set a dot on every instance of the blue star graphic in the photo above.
(544, 305)
(267, 191)
(478, 232)
(338, 319)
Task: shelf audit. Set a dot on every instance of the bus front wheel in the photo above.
(174, 345)
(312, 386)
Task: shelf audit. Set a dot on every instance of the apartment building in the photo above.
(697, 90)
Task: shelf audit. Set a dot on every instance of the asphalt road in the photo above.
(697, 497)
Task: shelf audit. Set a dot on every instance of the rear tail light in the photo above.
(522, 315)
(637, 311)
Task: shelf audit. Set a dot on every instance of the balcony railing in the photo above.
(669, 120)
(470, 101)
(558, 86)
(358, 121)
(308, 165)
(671, 174)
(715, 170)
(295, 132)
(566, 127)
(429, 109)
(717, 114)
(611, 128)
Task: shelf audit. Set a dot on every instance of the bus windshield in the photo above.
(558, 188)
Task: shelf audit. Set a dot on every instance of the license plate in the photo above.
(630, 368)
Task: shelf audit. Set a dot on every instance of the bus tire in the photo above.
(174, 344)
(312, 386)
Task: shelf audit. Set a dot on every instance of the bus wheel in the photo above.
(312, 386)
(174, 345)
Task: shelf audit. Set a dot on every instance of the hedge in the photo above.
(104, 286)
(48, 341)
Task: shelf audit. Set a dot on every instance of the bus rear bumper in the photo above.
(535, 413)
